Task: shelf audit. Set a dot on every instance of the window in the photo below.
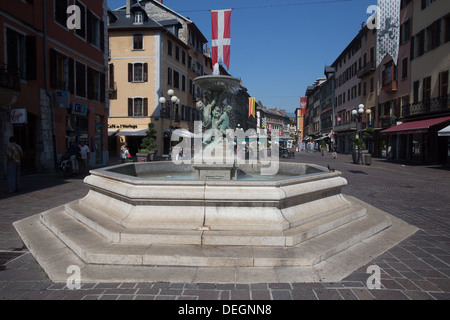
(420, 43)
(138, 17)
(138, 42)
(61, 71)
(447, 28)
(183, 82)
(95, 85)
(426, 3)
(405, 68)
(177, 53)
(169, 48)
(372, 86)
(183, 57)
(60, 12)
(176, 79)
(94, 30)
(15, 51)
(137, 72)
(137, 107)
(416, 91)
(405, 31)
(82, 31)
(80, 77)
(169, 76)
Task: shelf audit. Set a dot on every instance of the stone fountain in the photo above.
(211, 221)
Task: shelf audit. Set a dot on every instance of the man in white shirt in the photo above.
(85, 155)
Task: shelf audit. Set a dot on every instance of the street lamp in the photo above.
(168, 106)
(358, 113)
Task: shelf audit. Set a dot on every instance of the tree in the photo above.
(149, 142)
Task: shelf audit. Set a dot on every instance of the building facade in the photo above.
(346, 94)
(61, 93)
(415, 137)
(158, 56)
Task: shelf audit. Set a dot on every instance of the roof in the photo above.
(419, 126)
(124, 22)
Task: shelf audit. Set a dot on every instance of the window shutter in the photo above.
(130, 72)
(130, 107)
(145, 107)
(31, 58)
(145, 72)
(89, 26)
(71, 76)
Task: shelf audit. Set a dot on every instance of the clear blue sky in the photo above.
(278, 51)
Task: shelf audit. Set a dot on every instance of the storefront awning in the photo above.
(112, 132)
(411, 127)
(132, 133)
(183, 133)
(444, 132)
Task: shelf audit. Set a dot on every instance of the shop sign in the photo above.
(18, 116)
(62, 99)
(79, 109)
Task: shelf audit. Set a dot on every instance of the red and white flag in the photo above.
(220, 21)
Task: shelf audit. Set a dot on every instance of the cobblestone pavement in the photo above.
(417, 268)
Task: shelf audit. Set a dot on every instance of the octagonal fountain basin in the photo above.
(142, 215)
(162, 195)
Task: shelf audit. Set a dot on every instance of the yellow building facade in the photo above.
(146, 60)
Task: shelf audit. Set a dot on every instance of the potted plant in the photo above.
(148, 145)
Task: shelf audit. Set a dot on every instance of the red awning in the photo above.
(420, 126)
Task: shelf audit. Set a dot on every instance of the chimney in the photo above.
(128, 8)
(160, 1)
(283, 112)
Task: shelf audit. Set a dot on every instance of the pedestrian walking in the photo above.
(75, 156)
(14, 155)
(124, 153)
(85, 156)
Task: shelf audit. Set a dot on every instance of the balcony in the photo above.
(391, 86)
(366, 69)
(9, 85)
(112, 87)
(434, 105)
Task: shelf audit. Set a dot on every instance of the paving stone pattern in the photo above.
(416, 269)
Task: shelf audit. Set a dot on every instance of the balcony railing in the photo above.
(391, 86)
(113, 87)
(426, 106)
(9, 78)
(366, 69)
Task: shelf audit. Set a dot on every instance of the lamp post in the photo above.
(359, 113)
(168, 106)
